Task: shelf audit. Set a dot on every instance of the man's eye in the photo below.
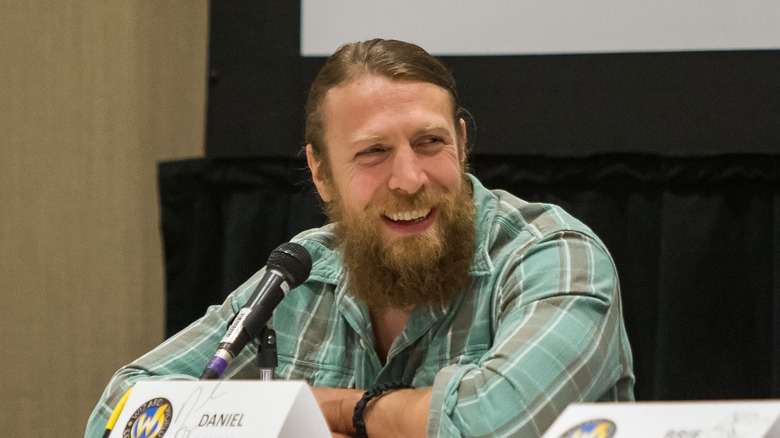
(430, 145)
(371, 156)
(432, 140)
(371, 151)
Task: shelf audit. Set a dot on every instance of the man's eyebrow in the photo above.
(433, 129)
(379, 138)
(367, 138)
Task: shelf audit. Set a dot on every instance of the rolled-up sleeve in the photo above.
(559, 338)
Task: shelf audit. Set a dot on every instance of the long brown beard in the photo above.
(426, 268)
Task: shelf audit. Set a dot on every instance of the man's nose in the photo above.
(407, 173)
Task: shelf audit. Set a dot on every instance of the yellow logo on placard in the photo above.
(151, 420)
(592, 429)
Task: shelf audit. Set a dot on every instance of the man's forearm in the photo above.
(398, 413)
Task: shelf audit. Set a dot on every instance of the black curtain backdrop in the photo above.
(696, 242)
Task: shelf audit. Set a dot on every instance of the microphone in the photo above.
(288, 266)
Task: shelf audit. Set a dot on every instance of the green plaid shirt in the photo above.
(540, 327)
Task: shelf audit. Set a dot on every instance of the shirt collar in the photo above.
(486, 204)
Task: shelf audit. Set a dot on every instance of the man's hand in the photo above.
(395, 414)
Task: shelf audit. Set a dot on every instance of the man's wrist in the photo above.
(358, 416)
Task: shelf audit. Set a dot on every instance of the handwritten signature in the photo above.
(195, 402)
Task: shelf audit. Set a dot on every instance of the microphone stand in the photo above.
(266, 353)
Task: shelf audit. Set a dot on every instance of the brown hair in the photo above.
(393, 59)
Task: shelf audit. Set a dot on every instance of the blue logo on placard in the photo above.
(151, 420)
(592, 429)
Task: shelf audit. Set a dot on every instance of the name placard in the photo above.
(221, 408)
(705, 419)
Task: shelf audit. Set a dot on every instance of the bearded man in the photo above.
(435, 306)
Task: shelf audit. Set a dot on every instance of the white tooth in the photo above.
(409, 215)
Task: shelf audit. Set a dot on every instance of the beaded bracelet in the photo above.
(357, 418)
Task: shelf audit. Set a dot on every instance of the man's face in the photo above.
(397, 191)
(385, 139)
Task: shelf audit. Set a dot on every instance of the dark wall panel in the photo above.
(255, 92)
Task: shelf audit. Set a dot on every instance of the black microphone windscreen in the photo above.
(293, 260)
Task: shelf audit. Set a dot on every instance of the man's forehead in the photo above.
(363, 91)
(369, 84)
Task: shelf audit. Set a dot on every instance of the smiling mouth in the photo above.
(409, 217)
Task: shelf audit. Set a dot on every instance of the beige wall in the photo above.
(93, 94)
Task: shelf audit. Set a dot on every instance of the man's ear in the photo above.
(462, 143)
(316, 174)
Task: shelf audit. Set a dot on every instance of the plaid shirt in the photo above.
(540, 327)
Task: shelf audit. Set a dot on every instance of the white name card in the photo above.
(221, 408)
(706, 419)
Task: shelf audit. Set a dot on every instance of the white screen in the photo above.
(504, 27)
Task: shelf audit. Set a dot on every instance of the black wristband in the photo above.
(357, 418)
